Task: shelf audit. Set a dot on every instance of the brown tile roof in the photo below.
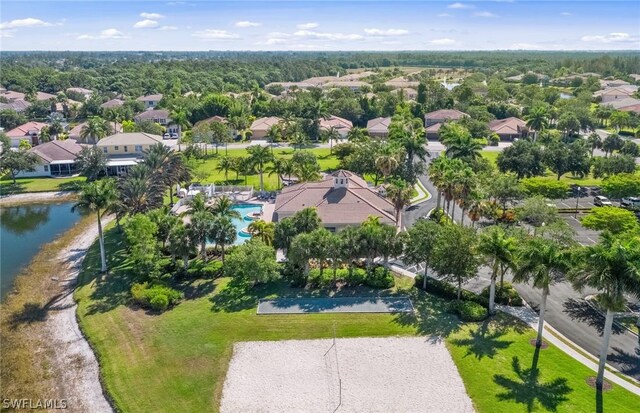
(153, 114)
(113, 103)
(11, 95)
(19, 105)
(26, 129)
(508, 126)
(155, 97)
(44, 96)
(74, 133)
(622, 103)
(264, 123)
(348, 205)
(446, 114)
(57, 150)
(211, 119)
(336, 122)
(433, 128)
(132, 138)
(379, 125)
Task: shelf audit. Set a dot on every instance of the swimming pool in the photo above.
(244, 221)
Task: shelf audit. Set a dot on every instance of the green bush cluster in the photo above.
(507, 295)
(468, 310)
(201, 269)
(158, 297)
(445, 290)
(380, 277)
(377, 278)
(493, 139)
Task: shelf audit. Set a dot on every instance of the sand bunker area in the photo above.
(413, 374)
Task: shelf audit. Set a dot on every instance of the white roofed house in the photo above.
(126, 149)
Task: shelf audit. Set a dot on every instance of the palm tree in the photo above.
(302, 249)
(537, 120)
(198, 203)
(358, 134)
(611, 267)
(98, 196)
(180, 243)
(258, 157)
(139, 190)
(200, 229)
(465, 184)
(459, 142)
(225, 164)
(594, 141)
(179, 116)
(95, 129)
(437, 171)
(499, 250)
(421, 239)
(262, 230)
(399, 193)
(386, 164)
(223, 207)
(279, 166)
(353, 246)
(223, 233)
(167, 166)
(299, 139)
(543, 262)
(330, 135)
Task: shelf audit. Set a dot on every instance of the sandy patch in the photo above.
(394, 374)
(32, 197)
(77, 367)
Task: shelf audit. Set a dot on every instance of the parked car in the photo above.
(174, 136)
(601, 200)
(166, 136)
(631, 202)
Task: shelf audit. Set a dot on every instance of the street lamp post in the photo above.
(577, 200)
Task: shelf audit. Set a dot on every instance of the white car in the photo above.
(601, 201)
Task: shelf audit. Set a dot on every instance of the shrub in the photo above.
(493, 139)
(482, 141)
(212, 269)
(379, 278)
(468, 310)
(356, 278)
(507, 295)
(445, 290)
(157, 296)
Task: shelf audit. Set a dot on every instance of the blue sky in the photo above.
(319, 25)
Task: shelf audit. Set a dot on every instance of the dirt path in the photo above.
(31, 197)
(77, 367)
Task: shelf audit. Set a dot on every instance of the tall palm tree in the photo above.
(330, 135)
(95, 129)
(223, 206)
(180, 243)
(262, 230)
(179, 116)
(139, 190)
(279, 167)
(437, 171)
(200, 229)
(499, 251)
(386, 164)
(353, 246)
(459, 143)
(612, 267)
(225, 164)
(259, 156)
(594, 141)
(541, 261)
(223, 233)
(167, 166)
(98, 196)
(399, 193)
(465, 184)
(537, 120)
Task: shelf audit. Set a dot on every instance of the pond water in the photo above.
(23, 231)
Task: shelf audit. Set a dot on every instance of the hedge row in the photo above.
(507, 295)
(377, 278)
(445, 290)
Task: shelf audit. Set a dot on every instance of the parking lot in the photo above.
(583, 235)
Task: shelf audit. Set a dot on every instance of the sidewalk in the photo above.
(554, 337)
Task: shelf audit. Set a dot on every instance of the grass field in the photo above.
(207, 168)
(492, 156)
(177, 361)
(39, 184)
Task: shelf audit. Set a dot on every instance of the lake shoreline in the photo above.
(36, 198)
(44, 353)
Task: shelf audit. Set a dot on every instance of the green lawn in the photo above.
(39, 184)
(325, 159)
(492, 156)
(177, 361)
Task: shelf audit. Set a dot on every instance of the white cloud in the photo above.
(146, 24)
(566, 13)
(387, 32)
(307, 26)
(327, 36)
(28, 22)
(607, 38)
(442, 42)
(167, 28)
(151, 16)
(525, 46)
(6, 33)
(444, 15)
(105, 34)
(485, 14)
(272, 41)
(461, 6)
(215, 34)
(247, 24)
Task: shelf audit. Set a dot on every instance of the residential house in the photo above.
(354, 85)
(159, 116)
(150, 101)
(45, 96)
(85, 92)
(627, 104)
(606, 83)
(379, 127)
(614, 93)
(407, 92)
(211, 120)
(635, 77)
(10, 95)
(401, 82)
(291, 85)
(341, 199)
(126, 149)
(509, 129)
(56, 158)
(260, 127)
(434, 120)
(343, 126)
(113, 103)
(29, 132)
(18, 105)
(76, 132)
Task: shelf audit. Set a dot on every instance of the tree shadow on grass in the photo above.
(483, 341)
(194, 288)
(581, 310)
(10, 188)
(528, 390)
(430, 317)
(628, 363)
